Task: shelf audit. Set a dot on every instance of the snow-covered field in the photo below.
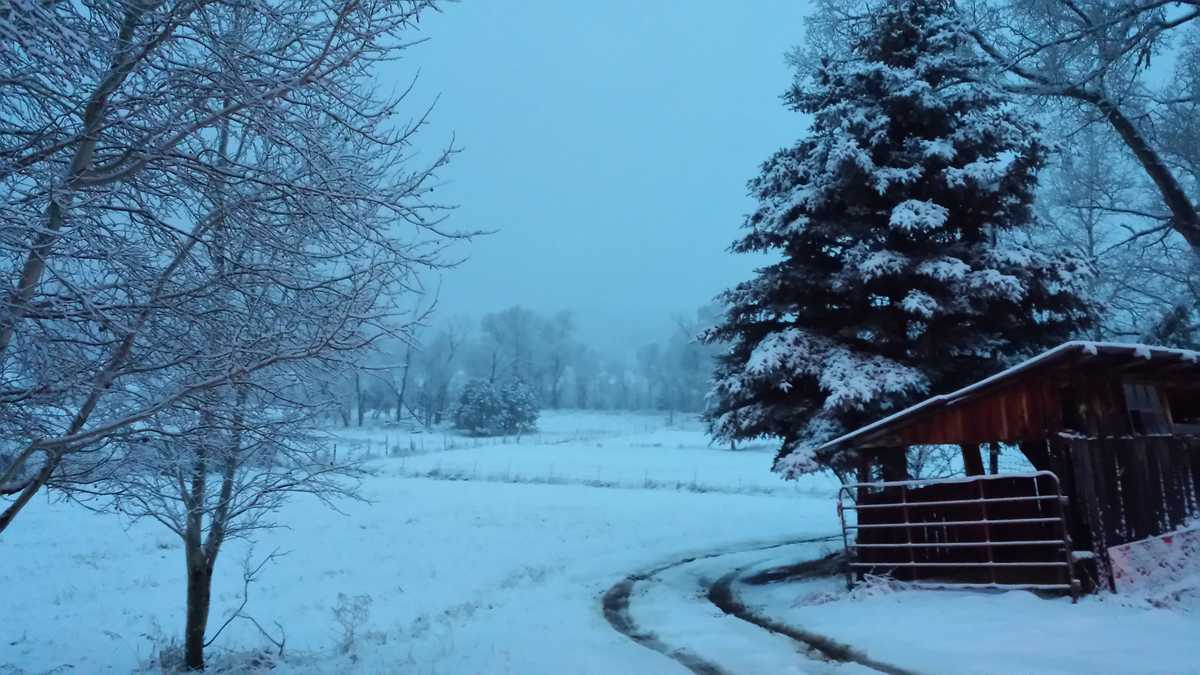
(613, 450)
(463, 576)
(492, 556)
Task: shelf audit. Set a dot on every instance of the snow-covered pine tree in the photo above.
(520, 408)
(480, 408)
(485, 409)
(898, 221)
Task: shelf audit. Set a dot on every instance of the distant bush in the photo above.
(488, 410)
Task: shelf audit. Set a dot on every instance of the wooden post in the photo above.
(972, 459)
(864, 473)
(894, 462)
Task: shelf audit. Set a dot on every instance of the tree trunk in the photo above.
(1038, 455)
(1184, 220)
(863, 469)
(358, 397)
(894, 462)
(408, 355)
(439, 408)
(972, 459)
(199, 571)
(555, 382)
(199, 595)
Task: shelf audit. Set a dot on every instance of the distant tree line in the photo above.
(420, 379)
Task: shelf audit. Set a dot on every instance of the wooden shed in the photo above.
(1112, 428)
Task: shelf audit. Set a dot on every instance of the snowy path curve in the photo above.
(722, 595)
(667, 609)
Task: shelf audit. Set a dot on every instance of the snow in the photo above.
(985, 172)
(940, 148)
(914, 214)
(995, 284)
(474, 575)
(849, 379)
(464, 576)
(960, 632)
(944, 269)
(919, 304)
(674, 606)
(875, 264)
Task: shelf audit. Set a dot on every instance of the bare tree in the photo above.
(1097, 203)
(511, 334)
(216, 214)
(115, 127)
(396, 377)
(556, 351)
(1098, 56)
(435, 367)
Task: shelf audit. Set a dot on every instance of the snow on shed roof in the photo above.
(1127, 352)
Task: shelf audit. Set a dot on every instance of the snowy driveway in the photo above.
(667, 609)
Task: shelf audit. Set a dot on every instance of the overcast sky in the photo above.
(609, 143)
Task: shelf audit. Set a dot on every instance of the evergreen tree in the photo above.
(898, 221)
(520, 408)
(485, 409)
(479, 408)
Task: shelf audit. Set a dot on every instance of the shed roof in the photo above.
(1131, 360)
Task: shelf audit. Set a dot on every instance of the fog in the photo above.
(607, 145)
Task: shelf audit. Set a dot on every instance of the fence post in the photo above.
(908, 532)
(987, 529)
(850, 558)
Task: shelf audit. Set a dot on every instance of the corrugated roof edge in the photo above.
(1080, 346)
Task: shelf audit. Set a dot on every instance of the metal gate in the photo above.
(1000, 531)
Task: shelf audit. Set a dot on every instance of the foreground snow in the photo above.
(463, 576)
(467, 571)
(985, 633)
(671, 603)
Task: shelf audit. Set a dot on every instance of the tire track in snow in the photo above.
(723, 596)
(616, 605)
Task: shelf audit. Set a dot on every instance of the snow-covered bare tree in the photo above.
(117, 118)
(1096, 202)
(436, 365)
(1131, 66)
(206, 207)
(556, 350)
(511, 334)
(900, 219)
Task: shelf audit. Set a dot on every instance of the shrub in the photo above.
(487, 410)
(520, 409)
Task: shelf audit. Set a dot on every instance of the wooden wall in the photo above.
(1126, 489)
(1025, 409)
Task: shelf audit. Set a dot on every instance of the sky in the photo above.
(608, 144)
